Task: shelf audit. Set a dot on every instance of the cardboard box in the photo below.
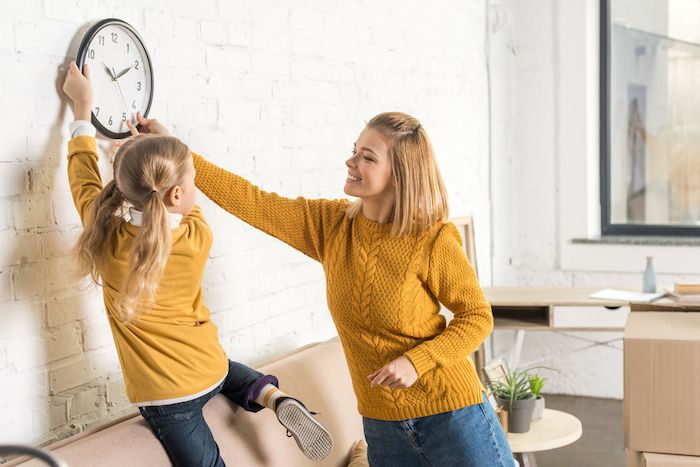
(661, 402)
(664, 305)
(649, 459)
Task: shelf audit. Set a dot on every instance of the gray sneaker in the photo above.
(311, 436)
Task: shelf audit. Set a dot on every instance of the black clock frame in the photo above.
(80, 61)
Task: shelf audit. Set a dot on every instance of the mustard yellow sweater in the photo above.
(172, 351)
(383, 293)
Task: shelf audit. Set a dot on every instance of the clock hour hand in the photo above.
(109, 72)
(123, 72)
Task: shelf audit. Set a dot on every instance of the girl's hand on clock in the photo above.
(78, 87)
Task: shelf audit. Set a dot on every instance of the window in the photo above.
(650, 117)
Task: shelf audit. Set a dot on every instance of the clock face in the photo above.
(122, 76)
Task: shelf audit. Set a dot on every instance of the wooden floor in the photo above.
(602, 441)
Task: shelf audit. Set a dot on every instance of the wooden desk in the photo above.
(554, 430)
(551, 309)
(532, 308)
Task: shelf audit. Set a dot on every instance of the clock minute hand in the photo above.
(123, 72)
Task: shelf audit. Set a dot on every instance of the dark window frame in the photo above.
(606, 227)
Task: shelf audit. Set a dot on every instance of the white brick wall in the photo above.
(274, 90)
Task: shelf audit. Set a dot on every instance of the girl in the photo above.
(390, 259)
(150, 267)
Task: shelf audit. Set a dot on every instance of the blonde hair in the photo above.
(421, 197)
(145, 168)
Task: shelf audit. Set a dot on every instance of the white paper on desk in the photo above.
(627, 296)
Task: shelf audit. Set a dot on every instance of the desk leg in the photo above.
(526, 459)
(514, 360)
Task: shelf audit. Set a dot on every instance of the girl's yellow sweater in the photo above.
(384, 294)
(172, 351)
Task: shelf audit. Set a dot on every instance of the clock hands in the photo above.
(112, 74)
(114, 77)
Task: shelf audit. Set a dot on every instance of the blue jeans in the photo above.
(468, 437)
(181, 427)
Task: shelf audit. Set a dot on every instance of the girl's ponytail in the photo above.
(149, 253)
(100, 227)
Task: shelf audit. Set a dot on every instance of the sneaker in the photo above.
(312, 438)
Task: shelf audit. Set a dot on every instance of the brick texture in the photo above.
(274, 90)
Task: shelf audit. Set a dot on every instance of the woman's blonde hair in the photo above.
(145, 168)
(421, 197)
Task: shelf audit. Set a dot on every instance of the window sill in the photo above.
(638, 240)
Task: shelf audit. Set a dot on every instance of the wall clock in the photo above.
(122, 75)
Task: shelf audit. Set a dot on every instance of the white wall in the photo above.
(544, 132)
(274, 90)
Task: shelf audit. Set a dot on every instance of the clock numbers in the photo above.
(114, 37)
(91, 54)
(136, 65)
(97, 111)
(138, 86)
(101, 40)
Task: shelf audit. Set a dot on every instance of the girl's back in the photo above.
(167, 345)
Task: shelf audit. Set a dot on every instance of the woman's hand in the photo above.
(397, 374)
(148, 125)
(78, 87)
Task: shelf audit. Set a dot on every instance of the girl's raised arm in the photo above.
(83, 173)
(78, 87)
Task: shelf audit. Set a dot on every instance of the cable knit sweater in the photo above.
(383, 293)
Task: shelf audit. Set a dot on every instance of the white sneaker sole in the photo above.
(311, 436)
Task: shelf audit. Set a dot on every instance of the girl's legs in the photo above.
(184, 434)
(468, 437)
(187, 439)
(243, 384)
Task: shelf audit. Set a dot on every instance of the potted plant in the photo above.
(513, 394)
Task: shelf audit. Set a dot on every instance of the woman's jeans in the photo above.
(468, 437)
(181, 428)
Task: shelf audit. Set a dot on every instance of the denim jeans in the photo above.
(468, 437)
(181, 427)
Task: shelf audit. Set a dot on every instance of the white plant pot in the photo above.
(538, 411)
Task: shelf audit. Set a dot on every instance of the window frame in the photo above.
(606, 226)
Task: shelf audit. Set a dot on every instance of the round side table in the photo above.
(554, 430)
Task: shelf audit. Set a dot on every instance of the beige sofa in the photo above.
(316, 374)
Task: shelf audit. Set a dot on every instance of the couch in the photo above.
(316, 374)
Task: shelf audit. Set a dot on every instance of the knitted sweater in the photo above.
(384, 294)
(172, 351)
